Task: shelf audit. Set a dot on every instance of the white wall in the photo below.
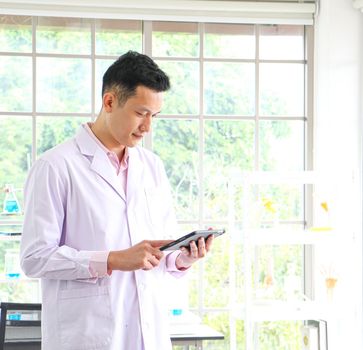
(338, 142)
(338, 85)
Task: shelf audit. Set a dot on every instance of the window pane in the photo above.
(15, 33)
(282, 42)
(274, 204)
(216, 280)
(183, 97)
(15, 289)
(220, 322)
(229, 89)
(176, 142)
(15, 155)
(63, 85)
(53, 130)
(175, 39)
(228, 145)
(64, 35)
(280, 335)
(115, 37)
(229, 41)
(278, 273)
(101, 67)
(281, 145)
(282, 89)
(15, 84)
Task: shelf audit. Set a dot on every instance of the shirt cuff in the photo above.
(98, 264)
(171, 262)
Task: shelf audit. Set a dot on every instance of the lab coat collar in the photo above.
(99, 161)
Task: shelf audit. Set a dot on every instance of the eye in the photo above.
(139, 114)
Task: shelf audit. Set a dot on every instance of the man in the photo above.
(97, 208)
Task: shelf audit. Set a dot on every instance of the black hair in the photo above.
(130, 71)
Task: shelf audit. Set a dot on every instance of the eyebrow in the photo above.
(146, 109)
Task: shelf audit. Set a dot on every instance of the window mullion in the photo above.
(147, 50)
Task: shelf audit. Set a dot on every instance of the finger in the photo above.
(209, 242)
(157, 253)
(154, 261)
(185, 251)
(160, 243)
(147, 266)
(150, 262)
(193, 249)
(201, 247)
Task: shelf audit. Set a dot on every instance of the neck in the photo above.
(100, 131)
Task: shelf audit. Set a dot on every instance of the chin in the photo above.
(133, 143)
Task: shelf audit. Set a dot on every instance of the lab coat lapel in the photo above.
(102, 166)
(99, 161)
(135, 175)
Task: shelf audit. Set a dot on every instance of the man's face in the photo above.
(128, 123)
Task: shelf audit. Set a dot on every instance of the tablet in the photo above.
(192, 236)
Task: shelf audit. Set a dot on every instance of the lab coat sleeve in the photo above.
(42, 254)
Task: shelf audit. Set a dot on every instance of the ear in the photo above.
(108, 101)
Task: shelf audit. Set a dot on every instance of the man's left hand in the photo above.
(188, 257)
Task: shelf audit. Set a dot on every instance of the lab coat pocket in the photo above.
(155, 204)
(85, 319)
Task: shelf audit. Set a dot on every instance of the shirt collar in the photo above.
(110, 154)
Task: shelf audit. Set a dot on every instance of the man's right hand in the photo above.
(144, 255)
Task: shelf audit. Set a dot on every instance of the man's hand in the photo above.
(188, 257)
(144, 255)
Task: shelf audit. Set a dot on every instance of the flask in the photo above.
(11, 203)
(12, 264)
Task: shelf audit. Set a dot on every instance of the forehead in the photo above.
(146, 98)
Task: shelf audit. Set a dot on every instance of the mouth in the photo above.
(138, 136)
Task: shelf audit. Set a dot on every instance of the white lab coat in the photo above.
(74, 205)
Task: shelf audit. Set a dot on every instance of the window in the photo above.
(238, 101)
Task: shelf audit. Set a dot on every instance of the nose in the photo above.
(146, 124)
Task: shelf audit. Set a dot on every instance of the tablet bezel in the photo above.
(184, 241)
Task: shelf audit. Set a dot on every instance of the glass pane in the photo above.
(15, 33)
(282, 89)
(281, 145)
(115, 37)
(220, 322)
(229, 89)
(282, 335)
(176, 142)
(228, 145)
(15, 160)
(15, 84)
(183, 97)
(229, 41)
(63, 85)
(64, 35)
(281, 42)
(278, 272)
(13, 286)
(101, 67)
(175, 39)
(216, 278)
(53, 130)
(274, 204)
